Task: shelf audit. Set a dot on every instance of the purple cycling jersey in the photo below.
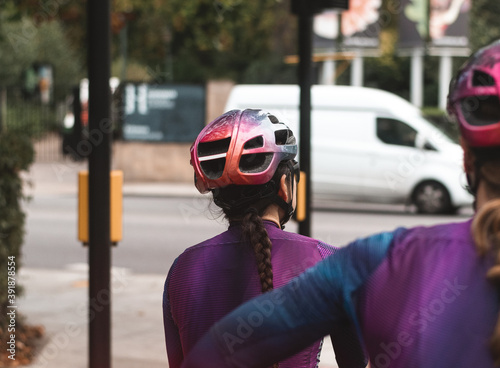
(419, 298)
(429, 304)
(212, 278)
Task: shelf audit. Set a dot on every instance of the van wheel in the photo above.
(431, 197)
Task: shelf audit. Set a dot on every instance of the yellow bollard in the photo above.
(116, 206)
(300, 211)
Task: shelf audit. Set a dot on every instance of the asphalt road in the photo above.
(156, 230)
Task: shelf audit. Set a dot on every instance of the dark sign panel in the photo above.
(317, 6)
(413, 23)
(166, 113)
(445, 25)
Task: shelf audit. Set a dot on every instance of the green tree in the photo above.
(24, 43)
(204, 38)
(484, 25)
(197, 39)
(201, 39)
(17, 51)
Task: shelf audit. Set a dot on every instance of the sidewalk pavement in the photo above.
(61, 178)
(58, 299)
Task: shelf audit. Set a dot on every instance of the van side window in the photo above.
(396, 132)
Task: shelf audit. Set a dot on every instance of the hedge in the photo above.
(16, 155)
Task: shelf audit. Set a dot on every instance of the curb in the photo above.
(60, 179)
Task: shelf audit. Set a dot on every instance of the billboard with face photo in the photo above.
(448, 25)
(359, 26)
(444, 25)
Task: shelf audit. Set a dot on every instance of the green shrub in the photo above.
(16, 155)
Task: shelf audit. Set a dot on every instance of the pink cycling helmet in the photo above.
(474, 98)
(242, 147)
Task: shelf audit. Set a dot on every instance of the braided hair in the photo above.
(246, 205)
(256, 235)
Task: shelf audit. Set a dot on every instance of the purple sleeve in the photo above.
(172, 337)
(345, 340)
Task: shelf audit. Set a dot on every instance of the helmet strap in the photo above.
(472, 185)
(286, 206)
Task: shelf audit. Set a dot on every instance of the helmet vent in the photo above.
(213, 169)
(214, 147)
(481, 111)
(284, 136)
(256, 142)
(255, 163)
(482, 79)
(273, 119)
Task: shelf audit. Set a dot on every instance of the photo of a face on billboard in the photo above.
(445, 24)
(359, 25)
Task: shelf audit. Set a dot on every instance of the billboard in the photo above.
(360, 26)
(162, 113)
(445, 24)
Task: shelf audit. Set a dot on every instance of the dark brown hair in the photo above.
(486, 231)
(254, 232)
(236, 208)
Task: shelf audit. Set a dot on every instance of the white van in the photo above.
(369, 145)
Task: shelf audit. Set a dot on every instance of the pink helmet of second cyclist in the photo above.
(474, 98)
(241, 147)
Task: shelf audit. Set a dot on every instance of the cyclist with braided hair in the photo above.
(419, 297)
(245, 159)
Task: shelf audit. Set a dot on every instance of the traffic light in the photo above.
(317, 6)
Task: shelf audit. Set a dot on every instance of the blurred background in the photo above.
(217, 43)
(174, 65)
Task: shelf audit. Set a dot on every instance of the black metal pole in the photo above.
(1, 110)
(76, 133)
(99, 36)
(305, 81)
(3, 106)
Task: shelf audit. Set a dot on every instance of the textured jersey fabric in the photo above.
(212, 278)
(439, 311)
(419, 298)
